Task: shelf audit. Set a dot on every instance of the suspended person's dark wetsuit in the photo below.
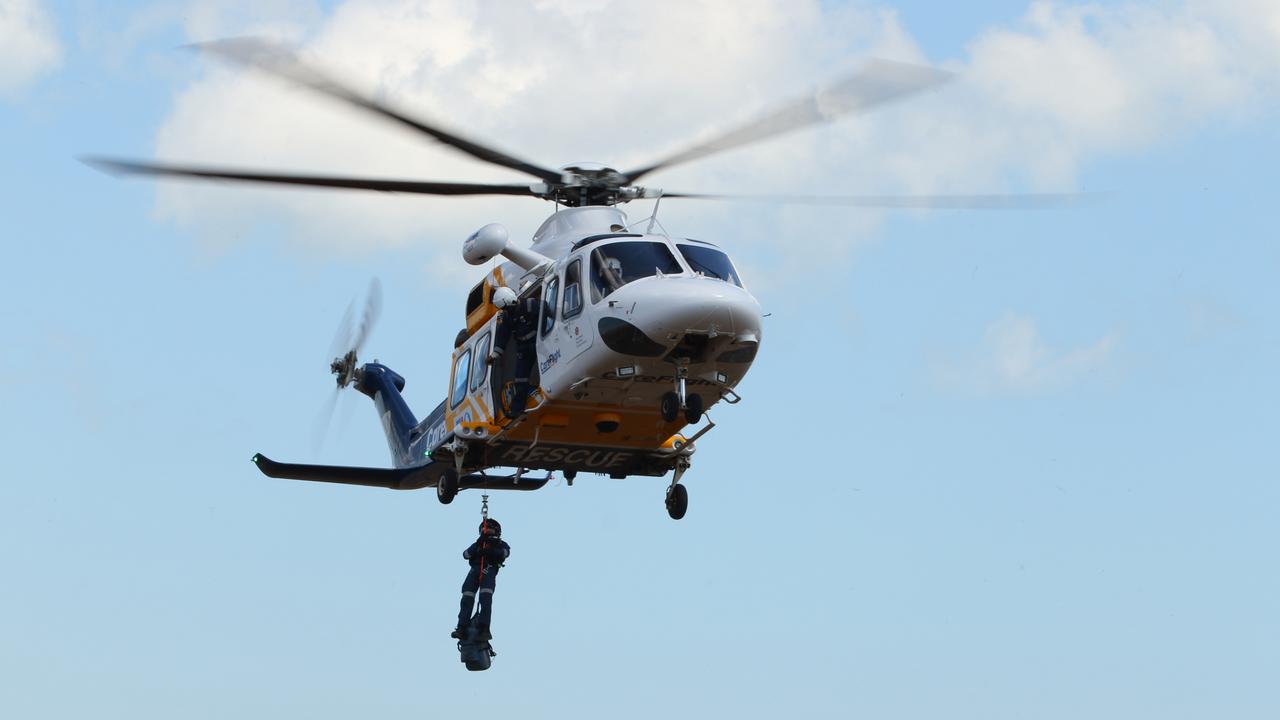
(521, 322)
(486, 556)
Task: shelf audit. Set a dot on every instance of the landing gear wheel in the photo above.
(677, 501)
(447, 487)
(693, 408)
(670, 407)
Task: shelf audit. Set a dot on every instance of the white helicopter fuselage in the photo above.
(639, 333)
(626, 318)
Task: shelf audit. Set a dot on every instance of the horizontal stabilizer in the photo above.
(395, 479)
(412, 478)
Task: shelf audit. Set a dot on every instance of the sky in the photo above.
(989, 464)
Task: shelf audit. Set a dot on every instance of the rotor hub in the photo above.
(589, 184)
(345, 369)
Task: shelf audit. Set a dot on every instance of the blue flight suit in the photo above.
(521, 322)
(486, 556)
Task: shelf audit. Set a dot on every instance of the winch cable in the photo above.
(484, 542)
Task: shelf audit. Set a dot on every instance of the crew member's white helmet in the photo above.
(504, 296)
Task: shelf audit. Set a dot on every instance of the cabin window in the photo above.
(482, 355)
(615, 265)
(710, 262)
(475, 298)
(461, 371)
(549, 297)
(572, 290)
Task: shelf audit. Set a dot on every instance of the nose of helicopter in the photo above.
(670, 308)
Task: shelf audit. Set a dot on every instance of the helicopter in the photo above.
(639, 332)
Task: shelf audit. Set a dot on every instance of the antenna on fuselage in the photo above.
(654, 217)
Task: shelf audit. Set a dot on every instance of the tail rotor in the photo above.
(350, 339)
(347, 343)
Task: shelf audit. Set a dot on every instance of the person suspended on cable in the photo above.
(486, 555)
(518, 319)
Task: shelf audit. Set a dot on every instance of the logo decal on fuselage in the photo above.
(436, 435)
(552, 359)
(576, 457)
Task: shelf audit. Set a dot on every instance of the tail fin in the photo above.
(383, 385)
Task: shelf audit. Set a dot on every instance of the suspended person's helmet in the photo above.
(491, 524)
(504, 296)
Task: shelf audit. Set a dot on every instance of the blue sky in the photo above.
(988, 464)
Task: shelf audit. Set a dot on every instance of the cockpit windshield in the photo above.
(710, 262)
(617, 264)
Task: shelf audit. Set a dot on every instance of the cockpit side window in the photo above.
(549, 305)
(710, 263)
(572, 290)
(617, 264)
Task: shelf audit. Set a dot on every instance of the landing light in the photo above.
(625, 371)
(722, 378)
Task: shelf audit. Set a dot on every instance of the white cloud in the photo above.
(1037, 99)
(556, 83)
(29, 46)
(622, 83)
(1014, 357)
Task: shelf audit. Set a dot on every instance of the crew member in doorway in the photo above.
(519, 319)
(486, 555)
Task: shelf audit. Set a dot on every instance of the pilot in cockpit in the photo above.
(615, 269)
(609, 270)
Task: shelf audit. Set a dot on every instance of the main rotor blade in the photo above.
(282, 62)
(879, 82)
(1025, 201)
(405, 186)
